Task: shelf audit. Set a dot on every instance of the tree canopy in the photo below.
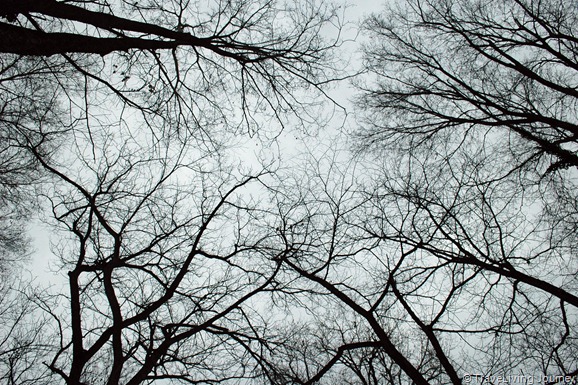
(434, 243)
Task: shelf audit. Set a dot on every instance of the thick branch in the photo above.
(24, 41)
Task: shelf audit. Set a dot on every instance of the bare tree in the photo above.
(25, 338)
(458, 257)
(166, 265)
(451, 257)
(435, 273)
(125, 120)
(209, 71)
(493, 86)
(24, 331)
(446, 69)
(330, 266)
(186, 67)
(25, 103)
(480, 269)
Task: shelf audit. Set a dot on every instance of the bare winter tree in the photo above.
(25, 339)
(211, 70)
(26, 107)
(168, 268)
(457, 261)
(185, 66)
(29, 113)
(431, 273)
(447, 257)
(340, 274)
(445, 69)
(123, 112)
(493, 86)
